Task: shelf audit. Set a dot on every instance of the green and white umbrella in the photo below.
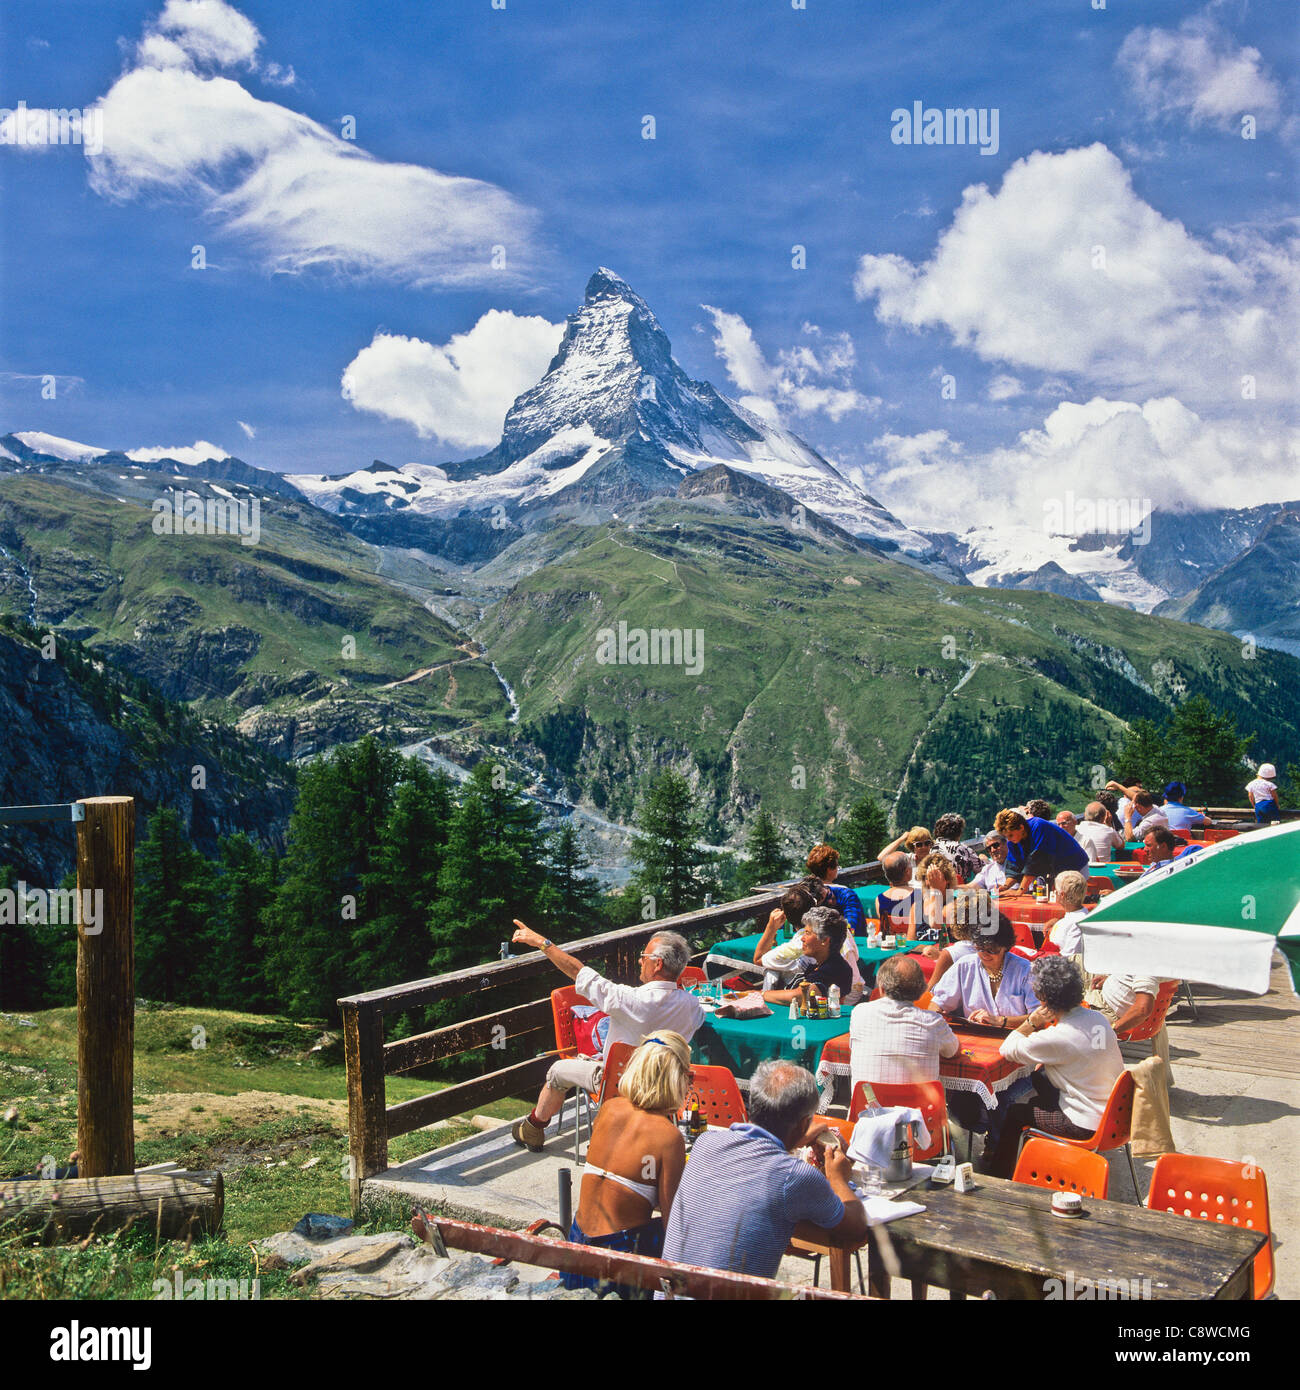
(1212, 917)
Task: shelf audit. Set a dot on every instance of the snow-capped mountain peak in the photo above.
(615, 418)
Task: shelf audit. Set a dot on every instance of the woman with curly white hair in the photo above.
(1079, 1057)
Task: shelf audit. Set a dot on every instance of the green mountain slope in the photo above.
(297, 637)
(828, 672)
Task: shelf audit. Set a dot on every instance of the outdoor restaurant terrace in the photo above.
(1154, 1229)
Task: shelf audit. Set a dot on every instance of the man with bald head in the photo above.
(890, 1039)
(1096, 836)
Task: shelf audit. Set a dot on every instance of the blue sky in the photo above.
(773, 128)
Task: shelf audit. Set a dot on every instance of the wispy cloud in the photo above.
(1199, 72)
(298, 195)
(810, 378)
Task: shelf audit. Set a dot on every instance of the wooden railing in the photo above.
(528, 1028)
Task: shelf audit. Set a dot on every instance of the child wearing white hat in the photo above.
(1263, 793)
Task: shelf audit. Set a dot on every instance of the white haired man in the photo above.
(634, 1011)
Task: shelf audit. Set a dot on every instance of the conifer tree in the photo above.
(765, 860)
(175, 942)
(861, 833)
(673, 873)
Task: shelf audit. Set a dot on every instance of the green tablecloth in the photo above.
(1111, 871)
(740, 952)
(741, 1044)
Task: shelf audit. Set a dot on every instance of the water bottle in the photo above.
(833, 1001)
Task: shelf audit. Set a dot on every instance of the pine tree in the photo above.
(1206, 750)
(176, 946)
(391, 941)
(673, 871)
(493, 871)
(334, 833)
(576, 896)
(859, 836)
(765, 861)
(245, 888)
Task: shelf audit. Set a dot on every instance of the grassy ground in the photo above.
(253, 1100)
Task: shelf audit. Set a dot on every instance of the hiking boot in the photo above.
(525, 1132)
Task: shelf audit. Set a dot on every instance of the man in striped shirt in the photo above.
(744, 1191)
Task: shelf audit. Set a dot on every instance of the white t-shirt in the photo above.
(1067, 933)
(1081, 1058)
(1261, 790)
(1098, 840)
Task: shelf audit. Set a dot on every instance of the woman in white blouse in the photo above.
(1080, 1062)
(991, 986)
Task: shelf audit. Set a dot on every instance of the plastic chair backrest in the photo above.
(1153, 1024)
(1214, 1189)
(931, 1100)
(1116, 1125)
(562, 1005)
(1062, 1168)
(616, 1060)
(720, 1100)
(1024, 937)
(691, 975)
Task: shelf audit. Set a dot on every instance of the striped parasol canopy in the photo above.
(1212, 917)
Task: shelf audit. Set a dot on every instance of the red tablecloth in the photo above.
(1030, 911)
(977, 1067)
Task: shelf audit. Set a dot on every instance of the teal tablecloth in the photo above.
(740, 952)
(741, 1044)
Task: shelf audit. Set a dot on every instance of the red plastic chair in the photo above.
(1045, 1163)
(1113, 1132)
(563, 1002)
(616, 1060)
(926, 1096)
(720, 1100)
(1214, 1189)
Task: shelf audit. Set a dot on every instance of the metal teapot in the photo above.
(900, 1160)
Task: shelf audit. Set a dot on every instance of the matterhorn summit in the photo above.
(613, 421)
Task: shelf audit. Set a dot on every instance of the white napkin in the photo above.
(873, 1135)
(881, 1210)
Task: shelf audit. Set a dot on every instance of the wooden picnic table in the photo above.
(1002, 1238)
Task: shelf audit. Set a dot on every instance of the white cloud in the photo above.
(805, 379)
(1160, 452)
(1198, 71)
(298, 195)
(249, 431)
(211, 32)
(1004, 387)
(197, 452)
(458, 392)
(1066, 269)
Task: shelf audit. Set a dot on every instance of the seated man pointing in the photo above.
(634, 1011)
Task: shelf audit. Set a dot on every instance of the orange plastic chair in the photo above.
(1214, 1189)
(928, 1097)
(720, 1100)
(1152, 1025)
(563, 1002)
(1098, 885)
(616, 1060)
(1113, 1132)
(691, 975)
(1045, 1163)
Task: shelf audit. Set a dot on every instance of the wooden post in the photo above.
(363, 1051)
(106, 988)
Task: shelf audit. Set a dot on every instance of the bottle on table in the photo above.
(833, 1002)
